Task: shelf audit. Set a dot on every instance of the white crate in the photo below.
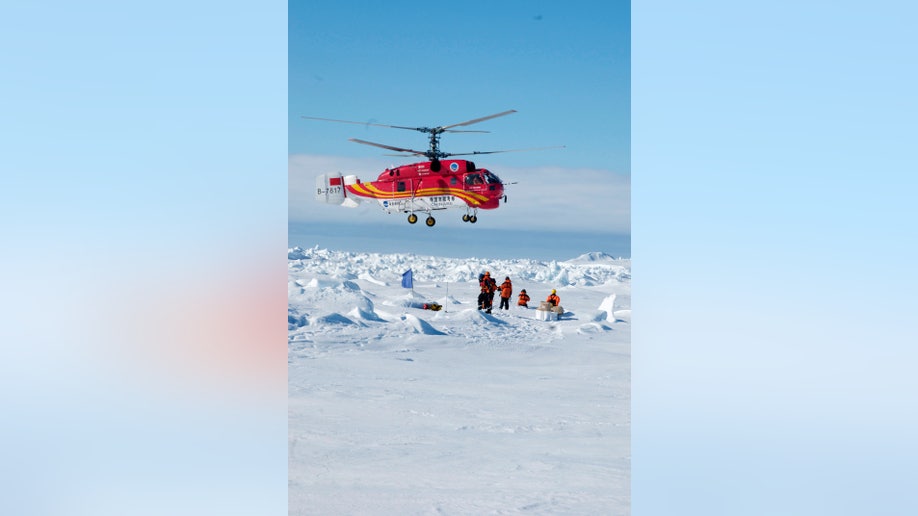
(546, 315)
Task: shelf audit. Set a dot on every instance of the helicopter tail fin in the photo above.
(330, 189)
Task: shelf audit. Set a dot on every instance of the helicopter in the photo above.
(422, 187)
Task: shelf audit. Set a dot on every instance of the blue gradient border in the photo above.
(773, 244)
(143, 170)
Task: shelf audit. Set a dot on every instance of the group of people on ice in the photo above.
(489, 287)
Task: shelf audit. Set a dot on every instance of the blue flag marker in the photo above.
(407, 279)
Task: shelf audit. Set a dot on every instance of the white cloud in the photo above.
(551, 198)
(567, 198)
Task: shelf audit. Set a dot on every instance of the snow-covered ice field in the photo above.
(394, 409)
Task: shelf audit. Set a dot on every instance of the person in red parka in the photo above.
(553, 298)
(506, 290)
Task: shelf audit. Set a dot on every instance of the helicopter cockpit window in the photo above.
(491, 178)
(473, 179)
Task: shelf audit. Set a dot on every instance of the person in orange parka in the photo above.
(506, 290)
(524, 299)
(553, 298)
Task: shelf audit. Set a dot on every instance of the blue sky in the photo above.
(565, 69)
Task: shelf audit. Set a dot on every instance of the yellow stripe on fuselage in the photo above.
(368, 190)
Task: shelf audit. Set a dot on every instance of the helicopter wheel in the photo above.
(465, 218)
(412, 218)
(430, 221)
(473, 219)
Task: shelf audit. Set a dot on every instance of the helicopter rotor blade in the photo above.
(389, 147)
(421, 129)
(355, 123)
(441, 129)
(475, 121)
(473, 153)
(434, 152)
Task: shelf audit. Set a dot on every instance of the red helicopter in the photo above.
(437, 184)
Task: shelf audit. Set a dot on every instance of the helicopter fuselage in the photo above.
(418, 187)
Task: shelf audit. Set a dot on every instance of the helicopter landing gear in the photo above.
(473, 219)
(414, 218)
(465, 218)
(470, 218)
